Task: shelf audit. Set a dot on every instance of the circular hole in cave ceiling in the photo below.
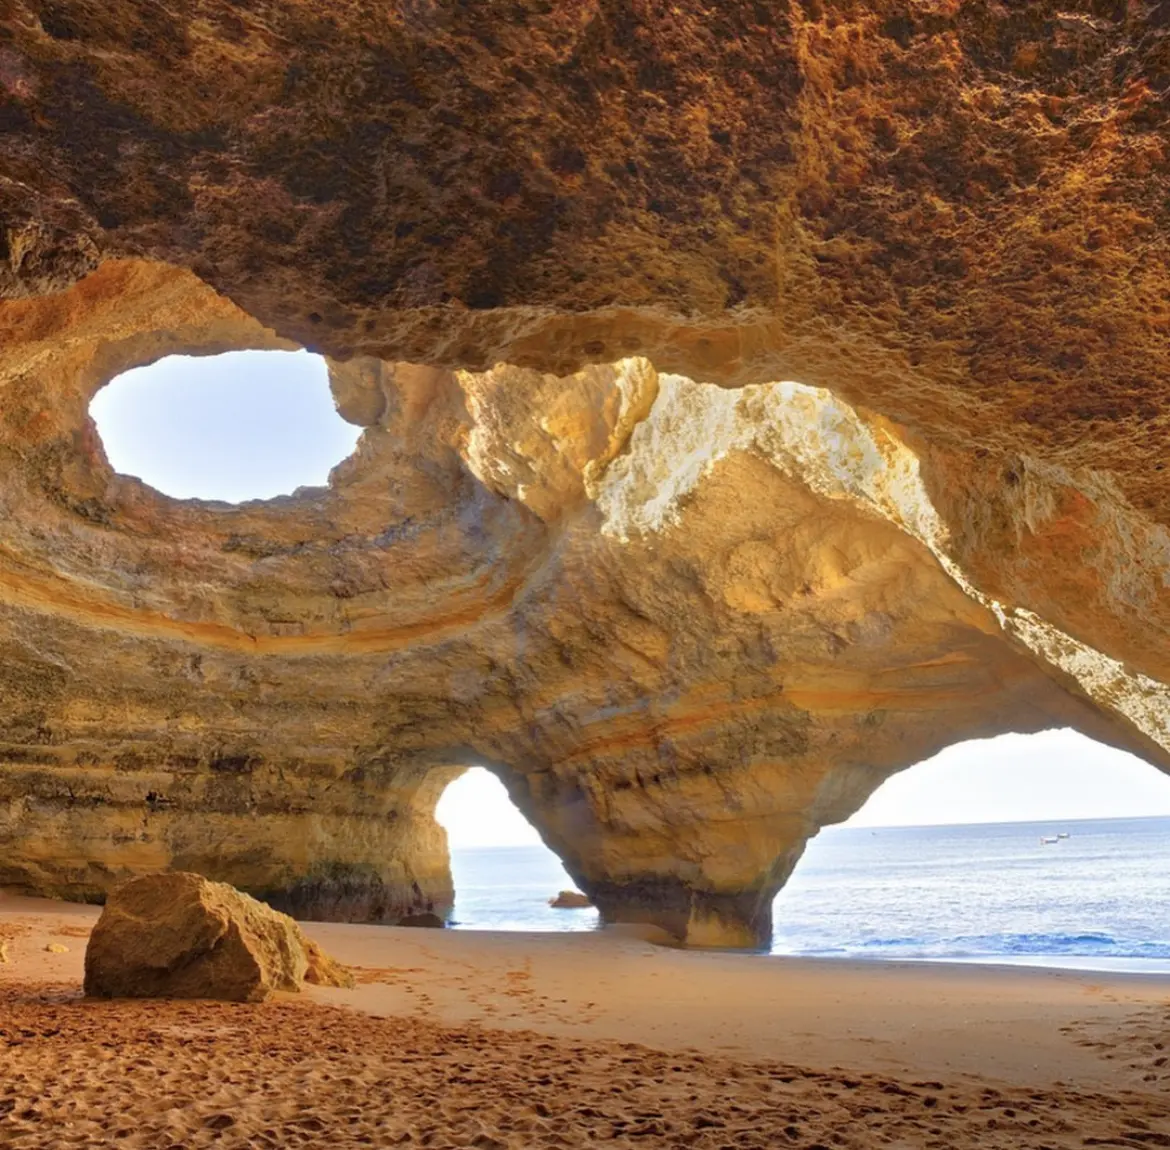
(232, 427)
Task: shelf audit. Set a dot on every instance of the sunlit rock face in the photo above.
(687, 625)
(689, 611)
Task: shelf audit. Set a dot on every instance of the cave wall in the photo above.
(564, 259)
(687, 625)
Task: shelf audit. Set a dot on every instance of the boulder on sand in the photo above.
(179, 935)
(570, 900)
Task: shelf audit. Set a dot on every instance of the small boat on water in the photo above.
(1062, 834)
(1045, 841)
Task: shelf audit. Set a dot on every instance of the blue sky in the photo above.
(244, 425)
(251, 425)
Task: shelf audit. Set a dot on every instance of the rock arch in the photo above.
(565, 264)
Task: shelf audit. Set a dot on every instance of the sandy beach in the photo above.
(505, 1041)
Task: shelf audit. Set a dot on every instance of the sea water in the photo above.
(1098, 899)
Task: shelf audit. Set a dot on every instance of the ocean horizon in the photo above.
(960, 892)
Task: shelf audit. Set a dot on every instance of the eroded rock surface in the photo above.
(567, 262)
(569, 900)
(179, 936)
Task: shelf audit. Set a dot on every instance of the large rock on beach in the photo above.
(180, 936)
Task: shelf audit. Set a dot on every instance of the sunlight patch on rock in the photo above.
(816, 438)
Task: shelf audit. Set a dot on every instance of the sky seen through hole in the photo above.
(232, 427)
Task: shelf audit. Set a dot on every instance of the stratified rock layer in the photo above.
(592, 536)
(180, 936)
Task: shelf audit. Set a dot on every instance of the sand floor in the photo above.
(498, 1041)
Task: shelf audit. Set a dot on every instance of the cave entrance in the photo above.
(504, 874)
(233, 427)
(1046, 849)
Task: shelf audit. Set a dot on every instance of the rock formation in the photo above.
(569, 900)
(179, 936)
(757, 399)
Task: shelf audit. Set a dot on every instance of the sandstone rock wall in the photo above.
(593, 535)
(687, 626)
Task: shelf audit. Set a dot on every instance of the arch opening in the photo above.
(234, 427)
(1047, 849)
(503, 873)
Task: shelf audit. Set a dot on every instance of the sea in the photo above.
(1098, 899)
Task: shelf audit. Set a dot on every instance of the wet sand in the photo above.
(503, 1041)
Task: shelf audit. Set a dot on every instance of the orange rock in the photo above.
(177, 935)
(570, 900)
(691, 612)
